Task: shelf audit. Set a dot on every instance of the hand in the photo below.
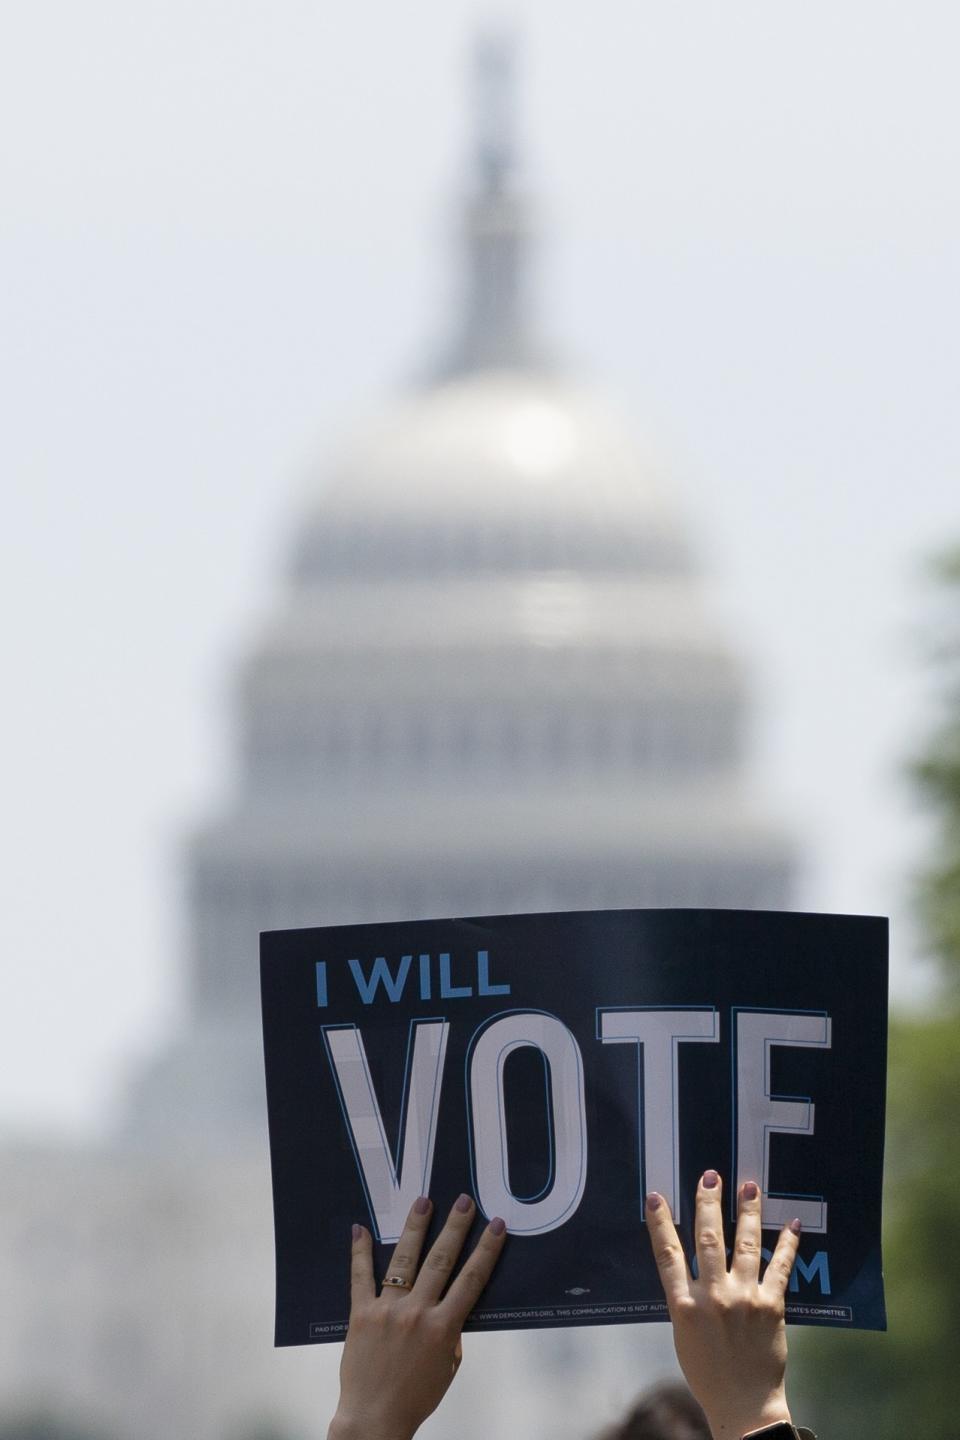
(728, 1325)
(403, 1346)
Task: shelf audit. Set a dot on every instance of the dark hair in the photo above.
(664, 1412)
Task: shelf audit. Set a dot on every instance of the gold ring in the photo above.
(397, 1280)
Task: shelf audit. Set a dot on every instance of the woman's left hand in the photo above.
(403, 1346)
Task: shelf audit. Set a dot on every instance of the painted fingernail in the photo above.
(751, 1190)
(463, 1204)
(357, 1232)
(796, 1226)
(421, 1205)
(710, 1179)
(497, 1226)
(653, 1201)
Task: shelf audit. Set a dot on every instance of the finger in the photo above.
(362, 1284)
(708, 1229)
(780, 1267)
(470, 1284)
(746, 1245)
(406, 1254)
(445, 1251)
(672, 1264)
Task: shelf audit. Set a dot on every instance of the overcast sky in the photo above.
(225, 236)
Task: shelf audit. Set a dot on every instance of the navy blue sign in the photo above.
(558, 1067)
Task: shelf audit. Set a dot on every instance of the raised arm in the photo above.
(728, 1324)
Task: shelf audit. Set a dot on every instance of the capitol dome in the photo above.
(490, 683)
(500, 459)
(524, 496)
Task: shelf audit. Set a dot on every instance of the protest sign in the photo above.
(558, 1067)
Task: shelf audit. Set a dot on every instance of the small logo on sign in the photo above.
(576, 1290)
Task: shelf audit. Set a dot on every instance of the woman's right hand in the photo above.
(728, 1325)
(403, 1346)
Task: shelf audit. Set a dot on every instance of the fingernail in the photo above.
(710, 1179)
(751, 1190)
(653, 1201)
(357, 1232)
(497, 1226)
(463, 1204)
(796, 1226)
(421, 1205)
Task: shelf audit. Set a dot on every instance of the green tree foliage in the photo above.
(938, 775)
(907, 1382)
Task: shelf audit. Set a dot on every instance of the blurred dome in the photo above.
(498, 469)
(506, 442)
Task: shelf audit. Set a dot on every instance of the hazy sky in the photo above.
(224, 236)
